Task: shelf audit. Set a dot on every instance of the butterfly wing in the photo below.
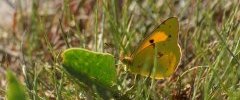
(162, 46)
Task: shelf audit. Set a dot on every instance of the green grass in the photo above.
(209, 38)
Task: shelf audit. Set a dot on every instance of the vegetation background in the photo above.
(33, 33)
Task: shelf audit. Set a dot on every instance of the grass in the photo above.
(209, 38)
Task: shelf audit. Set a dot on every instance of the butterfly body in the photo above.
(158, 54)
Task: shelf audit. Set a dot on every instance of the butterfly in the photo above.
(159, 54)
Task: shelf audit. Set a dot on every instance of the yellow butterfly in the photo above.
(159, 54)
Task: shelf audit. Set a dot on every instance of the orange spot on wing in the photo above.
(159, 36)
(156, 36)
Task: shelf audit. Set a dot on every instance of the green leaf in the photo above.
(15, 90)
(90, 67)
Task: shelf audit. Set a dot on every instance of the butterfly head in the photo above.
(126, 60)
